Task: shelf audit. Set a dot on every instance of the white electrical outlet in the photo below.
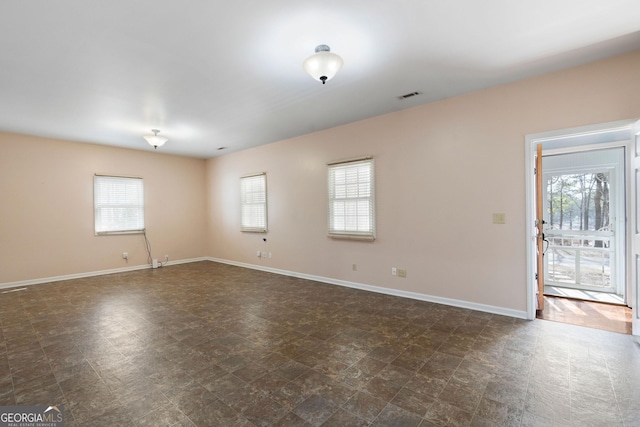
(125, 255)
(264, 255)
(258, 254)
(394, 271)
(166, 258)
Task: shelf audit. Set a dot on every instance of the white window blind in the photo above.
(351, 204)
(253, 203)
(118, 204)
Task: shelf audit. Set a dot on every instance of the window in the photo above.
(118, 204)
(351, 205)
(253, 203)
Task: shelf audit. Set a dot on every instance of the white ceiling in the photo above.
(213, 74)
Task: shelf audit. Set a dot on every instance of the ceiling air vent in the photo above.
(409, 95)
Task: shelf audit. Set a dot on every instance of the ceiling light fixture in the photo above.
(323, 64)
(155, 140)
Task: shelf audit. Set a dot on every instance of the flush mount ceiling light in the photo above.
(154, 139)
(322, 65)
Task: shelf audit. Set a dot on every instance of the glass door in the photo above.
(583, 201)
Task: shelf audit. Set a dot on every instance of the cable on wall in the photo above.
(148, 246)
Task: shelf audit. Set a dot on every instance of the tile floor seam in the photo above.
(4, 344)
(615, 394)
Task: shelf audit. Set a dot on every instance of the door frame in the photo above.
(531, 141)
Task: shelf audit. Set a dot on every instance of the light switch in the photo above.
(499, 218)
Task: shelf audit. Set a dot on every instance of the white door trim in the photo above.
(633, 165)
(530, 231)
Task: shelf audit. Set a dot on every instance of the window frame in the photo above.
(100, 206)
(349, 232)
(254, 227)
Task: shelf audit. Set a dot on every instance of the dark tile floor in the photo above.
(209, 344)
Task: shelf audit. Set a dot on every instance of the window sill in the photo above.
(367, 238)
(115, 233)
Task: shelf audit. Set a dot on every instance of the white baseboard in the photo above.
(92, 273)
(388, 291)
(520, 314)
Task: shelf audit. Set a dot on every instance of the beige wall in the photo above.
(46, 208)
(442, 170)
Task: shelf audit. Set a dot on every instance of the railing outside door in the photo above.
(580, 259)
